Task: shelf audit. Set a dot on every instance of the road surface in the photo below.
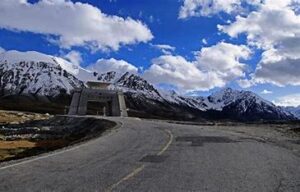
(156, 156)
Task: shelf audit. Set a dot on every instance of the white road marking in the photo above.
(141, 168)
(127, 177)
(168, 144)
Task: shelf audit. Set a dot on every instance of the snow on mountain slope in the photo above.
(246, 105)
(12, 57)
(229, 103)
(175, 98)
(294, 110)
(135, 84)
(109, 77)
(234, 102)
(227, 96)
(79, 72)
(34, 73)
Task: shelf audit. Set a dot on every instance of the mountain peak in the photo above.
(14, 56)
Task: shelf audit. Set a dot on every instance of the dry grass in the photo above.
(31, 144)
(10, 149)
(6, 153)
(9, 117)
(16, 144)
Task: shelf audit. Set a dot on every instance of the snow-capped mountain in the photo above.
(294, 110)
(38, 74)
(245, 105)
(232, 104)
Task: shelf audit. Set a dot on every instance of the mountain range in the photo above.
(293, 110)
(38, 75)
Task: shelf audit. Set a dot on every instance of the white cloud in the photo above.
(277, 70)
(268, 26)
(2, 50)
(107, 65)
(288, 100)
(72, 24)
(213, 66)
(275, 28)
(204, 41)
(192, 8)
(266, 92)
(74, 57)
(196, 8)
(223, 58)
(177, 71)
(165, 49)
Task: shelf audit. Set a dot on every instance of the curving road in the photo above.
(157, 156)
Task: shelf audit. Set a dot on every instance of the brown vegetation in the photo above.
(11, 149)
(10, 117)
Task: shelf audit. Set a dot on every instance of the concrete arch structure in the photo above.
(114, 101)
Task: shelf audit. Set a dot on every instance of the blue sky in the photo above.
(185, 25)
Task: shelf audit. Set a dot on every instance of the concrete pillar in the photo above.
(122, 105)
(115, 108)
(82, 107)
(74, 103)
(104, 111)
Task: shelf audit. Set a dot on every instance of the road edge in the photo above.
(8, 164)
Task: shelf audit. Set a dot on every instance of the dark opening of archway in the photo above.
(98, 108)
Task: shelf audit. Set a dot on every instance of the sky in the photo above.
(192, 46)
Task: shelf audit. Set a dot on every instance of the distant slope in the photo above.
(294, 110)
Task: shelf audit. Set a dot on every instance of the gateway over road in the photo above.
(112, 101)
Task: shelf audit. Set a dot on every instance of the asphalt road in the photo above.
(156, 156)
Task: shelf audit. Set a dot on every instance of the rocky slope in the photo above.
(36, 74)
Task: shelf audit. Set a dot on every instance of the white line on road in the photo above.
(168, 144)
(141, 168)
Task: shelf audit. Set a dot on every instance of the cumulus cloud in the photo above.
(288, 100)
(176, 70)
(275, 28)
(284, 71)
(266, 92)
(72, 23)
(192, 8)
(165, 49)
(213, 66)
(196, 8)
(223, 58)
(271, 24)
(107, 65)
(73, 57)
